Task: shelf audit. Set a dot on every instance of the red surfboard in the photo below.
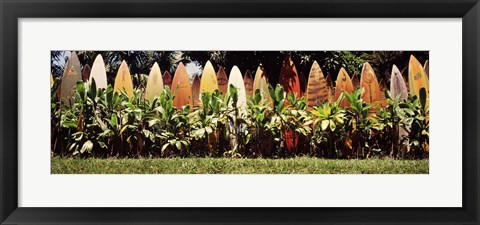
(291, 83)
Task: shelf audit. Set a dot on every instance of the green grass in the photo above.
(300, 165)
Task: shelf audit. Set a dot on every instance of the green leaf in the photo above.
(87, 147)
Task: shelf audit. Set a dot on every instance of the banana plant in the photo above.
(414, 114)
(387, 126)
(260, 125)
(328, 130)
(359, 124)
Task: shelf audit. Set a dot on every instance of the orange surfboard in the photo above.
(71, 75)
(154, 83)
(123, 80)
(222, 80)
(182, 88)
(344, 83)
(369, 82)
(196, 91)
(167, 79)
(86, 73)
(248, 82)
(317, 90)
(290, 82)
(208, 83)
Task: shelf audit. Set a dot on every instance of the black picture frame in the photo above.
(11, 11)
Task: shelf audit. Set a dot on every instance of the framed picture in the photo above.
(199, 112)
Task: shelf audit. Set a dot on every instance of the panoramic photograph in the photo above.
(239, 112)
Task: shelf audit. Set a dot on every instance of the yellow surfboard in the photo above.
(182, 88)
(123, 80)
(222, 80)
(426, 67)
(417, 78)
(260, 83)
(71, 75)
(208, 83)
(98, 73)
(343, 83)
(51, 81)
(154, 83)
(369, 82)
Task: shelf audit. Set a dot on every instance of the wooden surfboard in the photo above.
(154, 83)
(289, 77)
(317, 90)
(426, 67)
(397, 84)
(369, 82)
(196, 91)
(123, 80)
(355, 82)
(71, 75)
(222, 81)
(51, 81)
(98, 73)
(343, 83)
(330, 87)
(237, 81)
(417, 78)
(208, 83)
(86, 73)
(167, 79)
(182, 88)
(290, 82)
(383, 87)
(248, 82)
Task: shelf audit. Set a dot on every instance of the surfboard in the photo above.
(417, 78)
(222, 80)
(289, 77)
(51, 81)
(343, 83)
(86, 73)
(98, 73)
(208, 82)
(123, 80)
(248, 82)
(182, 88)
(397, 84)
(261, 83)
(154, 83)
(369, 82)
(196, 91)
(355, 82)
(258, 76)
(317, 90)
(291, 84)
(71, 75)
(426, 67)
(167, 79)
(237, 81)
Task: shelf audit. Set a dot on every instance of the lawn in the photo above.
(299, 165)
